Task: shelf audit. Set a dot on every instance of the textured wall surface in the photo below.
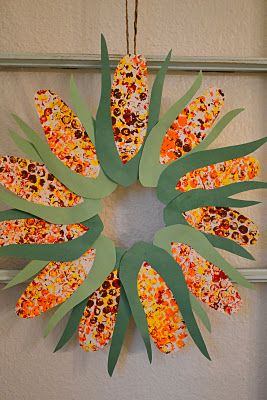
(28, 368)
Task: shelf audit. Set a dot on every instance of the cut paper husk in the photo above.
(175, 171)
(104, 263)
(109, 127)
(33, 238)
(94, 188)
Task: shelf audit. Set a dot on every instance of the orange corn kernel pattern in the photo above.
(99, 317)
(206, 281)
(165, 323)
(129, 105)
(220, 174)
(32, 181)
(190, 127)
(224, 222)
(54, 284)
(65, 134)
(34, 230)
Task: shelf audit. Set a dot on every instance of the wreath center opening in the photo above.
(132, 214)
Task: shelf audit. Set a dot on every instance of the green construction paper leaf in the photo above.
(129, 268)
(57, 215)
(25, 146)
(119, 254)
(81, 110)
(156, 94)
(218, 128)
(8, 215)
(172, 217)
(72, 324)
(150, 167)
(218, 197)
(172, 274)
(200, 312)
(194, 238)
(104, 262)
(174, 172)
(123, 174)
(64, 251)
(103, 184)
(94, 188)
(122, 322)
(31, 269)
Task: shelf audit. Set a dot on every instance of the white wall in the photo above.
(28, 368)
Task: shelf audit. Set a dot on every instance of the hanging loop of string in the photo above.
(135, 24)
(127, 25)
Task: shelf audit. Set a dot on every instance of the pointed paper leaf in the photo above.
(172, 274)
(218, 128)
(54, 284)
(72, 324)
(31, 269)
(26, 146)
(37, 239)
(130, 266)
(175, 171)
(191, 237)
(94, 188)
(122, 321)
(200, 312)
(156, 94)
(206, 281)
(172, 217)
(191, 125)
(103, 265)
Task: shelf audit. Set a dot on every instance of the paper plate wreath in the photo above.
(56, 197)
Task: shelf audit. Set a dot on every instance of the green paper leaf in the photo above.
(156, 94)
(30, 270)
(194, 238)
(63, 251)
(172, 217)
(26, 146)
(122, 322)
(218, 197)
(94, 188)
(129, 268)
(57, 215)
(172, 274)
(103, 184)
(72, 324)
(104, 262)
(150, 167)
(200, 312)
(174, 172)
(123, 174)
(81, 110)
(218, 128)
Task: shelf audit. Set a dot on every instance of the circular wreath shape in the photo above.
(56, 193)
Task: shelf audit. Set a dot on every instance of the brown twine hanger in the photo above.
(127, 25)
